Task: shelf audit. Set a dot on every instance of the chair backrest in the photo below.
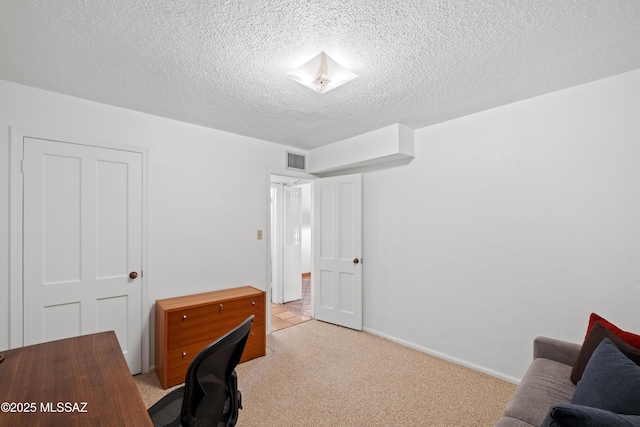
(211, 394)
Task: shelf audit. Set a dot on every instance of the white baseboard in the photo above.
(446, 357)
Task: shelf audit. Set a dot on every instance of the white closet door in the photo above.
(292, 245)
(82, 244)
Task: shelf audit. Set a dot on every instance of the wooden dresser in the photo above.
(185, 325)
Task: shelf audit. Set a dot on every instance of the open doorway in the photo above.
(290, 244)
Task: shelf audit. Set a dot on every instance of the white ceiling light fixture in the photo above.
(321, 74)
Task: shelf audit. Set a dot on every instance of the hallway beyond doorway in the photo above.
(293, 312)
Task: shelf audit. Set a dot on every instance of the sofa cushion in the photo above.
(629, 337)
(545, 384)
(511, 422)
(567, 415)
(611, 381)
(594, 338)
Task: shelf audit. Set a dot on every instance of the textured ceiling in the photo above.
(222, 64)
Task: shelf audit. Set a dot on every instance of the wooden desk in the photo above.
(76, 381)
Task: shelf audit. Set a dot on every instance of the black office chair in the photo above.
(210, 395)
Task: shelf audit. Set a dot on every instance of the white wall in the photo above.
(202, 224)
(511, 223)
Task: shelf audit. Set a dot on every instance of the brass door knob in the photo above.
(133, 275)
(356, 260)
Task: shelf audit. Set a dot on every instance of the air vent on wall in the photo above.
(296, 161)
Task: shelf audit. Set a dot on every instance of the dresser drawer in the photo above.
(233, 312)
(256, 343)
(191, 325)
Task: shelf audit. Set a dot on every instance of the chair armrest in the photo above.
(557, 350)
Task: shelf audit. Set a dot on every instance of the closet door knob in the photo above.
(133, 275)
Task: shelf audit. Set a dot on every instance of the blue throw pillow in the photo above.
(567, 415)
(611, 381)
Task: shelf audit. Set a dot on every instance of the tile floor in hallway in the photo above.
(293, 312)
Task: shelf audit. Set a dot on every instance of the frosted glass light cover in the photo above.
(321, 74)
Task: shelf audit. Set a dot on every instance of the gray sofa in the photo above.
(547, 382)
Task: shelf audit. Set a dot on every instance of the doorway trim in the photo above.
(16, 211)
(291, 174)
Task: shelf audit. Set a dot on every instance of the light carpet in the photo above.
(318, 374)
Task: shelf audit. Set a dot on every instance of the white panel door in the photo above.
(276, 245)
(292, 242)
(82, 239)
(337, 244)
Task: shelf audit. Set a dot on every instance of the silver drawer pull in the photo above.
(184, 316)
(253, 303)
(184, 353)
(221, 307)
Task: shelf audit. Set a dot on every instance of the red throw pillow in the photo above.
(632, 339)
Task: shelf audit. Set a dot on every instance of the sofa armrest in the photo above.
(557, 350)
